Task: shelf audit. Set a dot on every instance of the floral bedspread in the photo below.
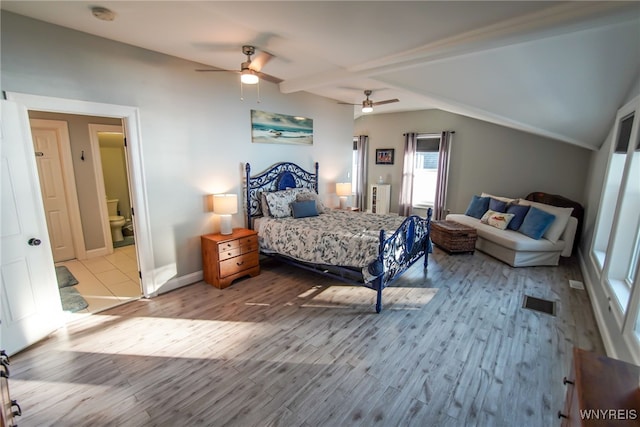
(341, 238)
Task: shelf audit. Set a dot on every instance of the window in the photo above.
(426, 171)
(616, 246)
(611, 190)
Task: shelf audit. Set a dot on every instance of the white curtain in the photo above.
(440, 205)
(360, 190)
(406, 186)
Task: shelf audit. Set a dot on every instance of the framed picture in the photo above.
(274, 128)
(384, 156)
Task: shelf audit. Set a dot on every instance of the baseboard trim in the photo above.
(597, 309)
(179, 282)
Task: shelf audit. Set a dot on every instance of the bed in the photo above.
(355, 247)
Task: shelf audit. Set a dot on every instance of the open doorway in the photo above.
(82, 170)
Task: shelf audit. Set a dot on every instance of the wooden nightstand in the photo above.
(226, 258)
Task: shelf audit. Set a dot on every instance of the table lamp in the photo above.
(343, 190)
(225, 205)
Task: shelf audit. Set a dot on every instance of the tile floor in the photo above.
(106, 281)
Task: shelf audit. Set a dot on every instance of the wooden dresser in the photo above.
(601, 392)
(226, 258)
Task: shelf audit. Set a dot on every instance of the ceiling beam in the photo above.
(554, 20)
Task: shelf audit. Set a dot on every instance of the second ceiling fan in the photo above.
(368, 104)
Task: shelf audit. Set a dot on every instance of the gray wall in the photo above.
(484, 157)
(195, 129)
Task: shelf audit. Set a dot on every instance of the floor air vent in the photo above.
(541, 305)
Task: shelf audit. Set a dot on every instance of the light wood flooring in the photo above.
(452, 347)
(105, 281)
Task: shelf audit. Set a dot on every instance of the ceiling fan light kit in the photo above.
(248, 77)
(367, 106)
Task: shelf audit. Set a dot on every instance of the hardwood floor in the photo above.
(452, 347)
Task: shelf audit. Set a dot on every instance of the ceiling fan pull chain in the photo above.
(258, 91)
(241, 92)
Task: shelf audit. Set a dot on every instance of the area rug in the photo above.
(72, 300)
(65, 278)
(128, 240)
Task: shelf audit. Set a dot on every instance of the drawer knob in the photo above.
(565, 381)
(561, 415)
(239, 263)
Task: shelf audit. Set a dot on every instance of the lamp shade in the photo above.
(225, 204)
(343, 189)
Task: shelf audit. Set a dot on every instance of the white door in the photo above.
(31, 307)
(46, 143)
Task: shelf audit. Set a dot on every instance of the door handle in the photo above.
(34, 242)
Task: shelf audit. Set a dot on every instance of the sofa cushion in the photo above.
(562, 215)
(499, 220)
(477, 206)
(536, 223)
(519, 212)
(497, 205)
(501, 198)
(507, 238)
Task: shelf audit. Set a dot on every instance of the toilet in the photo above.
(116, 222)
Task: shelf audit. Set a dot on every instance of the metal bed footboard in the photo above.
(400, 251)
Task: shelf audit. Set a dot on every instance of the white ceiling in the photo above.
(558, 69)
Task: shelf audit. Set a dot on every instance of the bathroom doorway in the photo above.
(103, 276)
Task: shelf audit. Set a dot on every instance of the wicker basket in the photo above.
(453, 237)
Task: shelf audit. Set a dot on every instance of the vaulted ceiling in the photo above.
(557, 69)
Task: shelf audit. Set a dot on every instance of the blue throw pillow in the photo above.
(304, 209)
(497, 205)
(536, 222)
(478, 206)
(519, 212)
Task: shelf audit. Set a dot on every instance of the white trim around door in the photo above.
(131, 120)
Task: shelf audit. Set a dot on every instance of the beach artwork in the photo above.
(273, 128)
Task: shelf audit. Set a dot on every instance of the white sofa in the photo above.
(515, 248)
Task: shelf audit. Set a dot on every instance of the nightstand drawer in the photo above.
(229, 253)
(238, 264)
(228, 245)
(248, 244)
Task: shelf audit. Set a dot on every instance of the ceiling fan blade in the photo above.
(346, 103)
(211, 69)
(260, 60)
(268, 77)
(386, 101)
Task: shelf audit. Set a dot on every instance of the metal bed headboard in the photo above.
(278, 177)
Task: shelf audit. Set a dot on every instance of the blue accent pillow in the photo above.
(478, 206)
(304, 209)
(536, 222)
(497, 205)
(519, 212)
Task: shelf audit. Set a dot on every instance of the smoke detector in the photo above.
(103, 14)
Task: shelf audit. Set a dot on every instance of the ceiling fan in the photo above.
(367, 104)
(250, 69)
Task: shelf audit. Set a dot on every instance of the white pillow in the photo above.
(502, 199)
(311, 195)
(558, 225)
(279, 202)
(499, 220)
